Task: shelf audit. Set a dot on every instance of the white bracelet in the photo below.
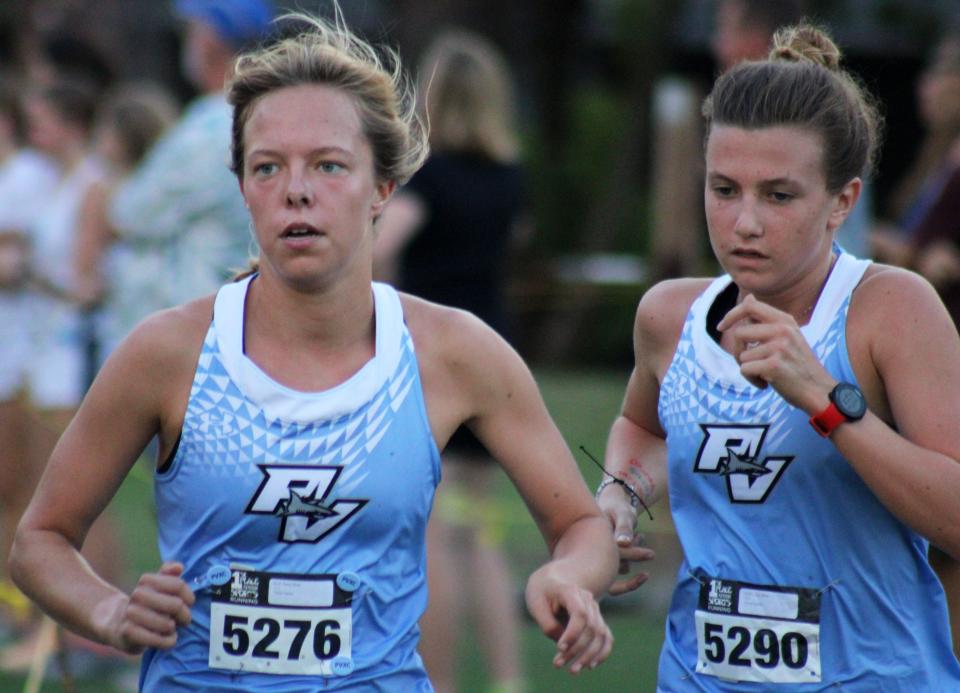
(631, 494)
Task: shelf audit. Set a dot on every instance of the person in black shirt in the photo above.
(445, 237)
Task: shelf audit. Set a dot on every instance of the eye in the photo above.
(265, 169)
(780, 197)
(330, 167)
(723, 190)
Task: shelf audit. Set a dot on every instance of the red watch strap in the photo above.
(826, 421)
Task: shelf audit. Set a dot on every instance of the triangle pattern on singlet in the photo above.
(233, 434)
(686, 379)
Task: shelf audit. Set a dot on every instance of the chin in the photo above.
(749, 281)
(296, 276)
(307, 280)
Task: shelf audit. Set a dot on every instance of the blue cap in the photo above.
(237, 22)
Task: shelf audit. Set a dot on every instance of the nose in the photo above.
(299, 193)
(748, 222)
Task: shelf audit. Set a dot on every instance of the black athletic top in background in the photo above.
(458, 258)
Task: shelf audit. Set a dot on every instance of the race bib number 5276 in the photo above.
(281, 624)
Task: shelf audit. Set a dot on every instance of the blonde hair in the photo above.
(328, 53)
(467, 89)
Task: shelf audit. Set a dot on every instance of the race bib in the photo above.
(275, 623)
(758, 633)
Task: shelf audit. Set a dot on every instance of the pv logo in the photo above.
(297, 494)
(733, 451)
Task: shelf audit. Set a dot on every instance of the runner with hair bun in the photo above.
(801, 409)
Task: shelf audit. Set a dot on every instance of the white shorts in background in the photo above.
(14, 344)
(57, 363)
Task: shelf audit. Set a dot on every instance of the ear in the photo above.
(843, 203)
(382, 195)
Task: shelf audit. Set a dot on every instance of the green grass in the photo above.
(583, 405)
(637, 634)
(12, 684)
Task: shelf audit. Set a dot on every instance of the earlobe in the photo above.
(384, 191)
(844, 202)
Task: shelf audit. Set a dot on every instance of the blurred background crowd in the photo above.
(116, 198)
(607, 99)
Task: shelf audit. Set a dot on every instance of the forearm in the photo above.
(585, 555)
(91, 246)
(639, 458)
(918, 485)
(56, 577)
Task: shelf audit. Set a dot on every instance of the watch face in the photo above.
(849, 401)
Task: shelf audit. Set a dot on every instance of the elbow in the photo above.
(17, 561)
(27, 554)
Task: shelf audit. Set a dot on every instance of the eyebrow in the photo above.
(767, 183)
(319, 151)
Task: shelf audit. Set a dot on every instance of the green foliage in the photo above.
(566, 182)
(583, 404)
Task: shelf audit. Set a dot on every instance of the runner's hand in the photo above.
(772, 350)
(149, 617)
(571, 616)
(616, 507)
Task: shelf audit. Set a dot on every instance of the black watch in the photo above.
(849, 401)
(846, 404)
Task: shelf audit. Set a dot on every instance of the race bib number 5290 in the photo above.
(765, 634)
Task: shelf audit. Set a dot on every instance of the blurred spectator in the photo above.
(62, 55)
(936, 244)
(131, 119)
(924, 183)
(59, 121)
(183, 202)
(928, 239)
(744, 28)
(450, 230)
(742, 31)
(26, 182)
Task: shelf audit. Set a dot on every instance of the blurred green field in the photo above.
(583, 404)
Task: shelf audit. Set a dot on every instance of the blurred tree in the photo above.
(613, 219)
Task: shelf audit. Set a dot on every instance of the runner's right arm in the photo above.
(141, 391)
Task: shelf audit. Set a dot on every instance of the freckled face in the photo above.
(308, 180)
(769, 215)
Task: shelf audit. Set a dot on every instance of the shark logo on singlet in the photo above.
(733, 452)
(298, 495)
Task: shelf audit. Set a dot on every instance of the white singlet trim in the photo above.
(722, 366)
(281, 402)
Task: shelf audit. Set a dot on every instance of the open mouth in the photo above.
(300, 231)
(749, 254)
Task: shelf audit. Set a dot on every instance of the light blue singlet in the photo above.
(306, 514)
(796, 577)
